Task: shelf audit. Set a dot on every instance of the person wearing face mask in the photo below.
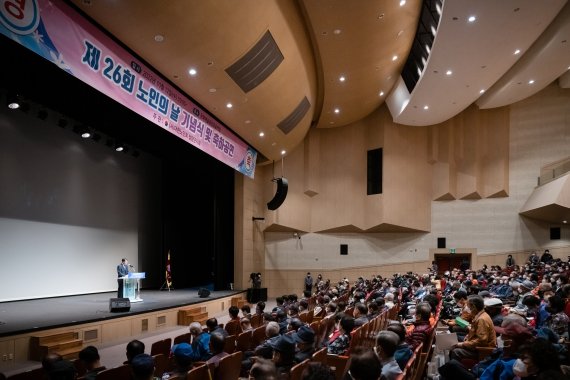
(481, 332)
(525, 289)
(422, 330)
(560, 282)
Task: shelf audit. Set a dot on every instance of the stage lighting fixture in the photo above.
(13, 101)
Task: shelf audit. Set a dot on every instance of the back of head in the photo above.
(263, 369)
(317, 371)
(195, 328)
(134, 348)
(347, 324)
(62, 370)
(142, 367)
(234, 311)
(388, 342)
(272, 329)
(423, 310)
(89, 355)
(399, 329)
(211, 324)
(364, 365)
(217, 342)
(49, 360)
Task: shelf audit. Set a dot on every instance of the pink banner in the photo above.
(58, 33)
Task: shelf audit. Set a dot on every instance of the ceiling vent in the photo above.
(257, 64)
(291, 121)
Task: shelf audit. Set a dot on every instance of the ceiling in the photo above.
(365, 42)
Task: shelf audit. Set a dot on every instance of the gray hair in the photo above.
(196, 326)
(272, 329)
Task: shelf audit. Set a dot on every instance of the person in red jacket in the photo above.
(422, 328)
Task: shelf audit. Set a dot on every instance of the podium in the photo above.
(131, 286)
(254, 295)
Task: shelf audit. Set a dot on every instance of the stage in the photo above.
(20, 317)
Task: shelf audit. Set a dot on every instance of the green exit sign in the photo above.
(452, 250)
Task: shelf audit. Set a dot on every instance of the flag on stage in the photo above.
(168, 275)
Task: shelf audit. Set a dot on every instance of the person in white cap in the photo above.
(494, 307)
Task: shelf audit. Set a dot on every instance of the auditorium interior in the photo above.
(408, 131)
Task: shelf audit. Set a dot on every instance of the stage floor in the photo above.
(20, 317)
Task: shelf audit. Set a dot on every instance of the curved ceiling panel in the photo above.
(358, 40)
(469, 56)
(209, 36)
(547, 59)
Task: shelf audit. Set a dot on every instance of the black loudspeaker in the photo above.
(119, 305)
(280, 194)
(554, 233)
(203, 293)
(440, 242)
(344, 249)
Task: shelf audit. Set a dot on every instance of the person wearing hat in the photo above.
(305, 339)
(493, 307)
(525, 289)
(142, 367)
(183, 355)
(284, 354)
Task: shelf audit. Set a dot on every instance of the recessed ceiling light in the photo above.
(472, 18)
(400, 33)
(14, 105)
(261, 134)
(247, 121)
(192, 72)
(283, 152)
(394, 58)
(380, 16)
(158, 38)
(342, 78)
(481, 91)
(448, 72)
(531, 81)
(119, 148)
(568, 67)
(336, 110)
(517, 51)
(381, 93)
(337, 31)
(426, 107)
(212, 90)
(564, 221)
(229, 105)
(402, 3)
(86, 134)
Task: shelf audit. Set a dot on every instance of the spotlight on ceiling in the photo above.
(13, 101)
(119, 147)
(82, 130)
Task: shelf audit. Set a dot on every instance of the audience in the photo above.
(134, 348)
(200, 348)
(142, 367)
(403, 352)
(365, 365)
(91, 360)
(342, 341)
(305, 338)
(386, 344)
(217, 342)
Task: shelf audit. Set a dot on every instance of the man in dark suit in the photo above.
(122, 271)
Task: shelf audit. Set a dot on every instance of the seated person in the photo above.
(91, 360)
(364, 365)
(200, 343)
(142, 367)
(134, 348)
(260, 308)
(284, 354)
(422, 330)
(233, 326)
(214, 327)
(49, 360)
(263, 369)
(481, 332)
(217, 342)
(305, 339)
(403, 352)
(557, 321)
(183, 356)
(494, 307)
(342, 342)
(245, 324)
(386, 344)
(360, 311)
(246, 312)
(62, 370)
(265, 349)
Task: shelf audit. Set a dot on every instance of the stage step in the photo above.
(66, 344)
(192, 314)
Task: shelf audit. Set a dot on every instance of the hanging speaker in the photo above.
(280, 195)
